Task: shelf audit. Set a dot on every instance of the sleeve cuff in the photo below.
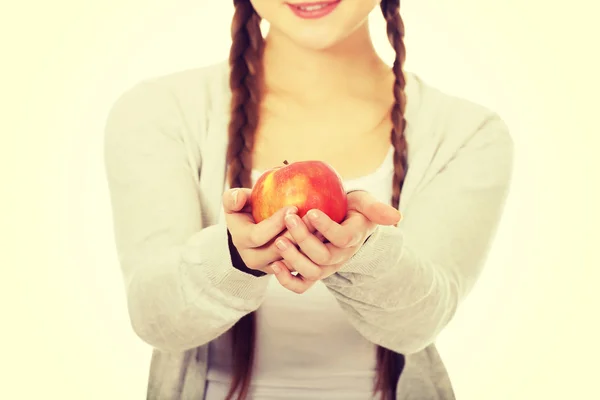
(375, 256)
(217, 266)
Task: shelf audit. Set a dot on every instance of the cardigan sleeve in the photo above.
(406, 282)
(182, 289)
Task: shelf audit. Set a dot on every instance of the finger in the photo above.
(268, 270)
(286, 234)
(248, 235)
(348, 234)
(376, 211)
(339, 255)
(298, 261)
(266, 255)
(329, 270)
(260, 257)
(309, 244)
(297, 284)
(308, 224)
(287, 265)
(234, 200)
(258, 235)
(320, 236)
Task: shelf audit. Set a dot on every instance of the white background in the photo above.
(528, 331)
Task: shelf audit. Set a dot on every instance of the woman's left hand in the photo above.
(313, 259)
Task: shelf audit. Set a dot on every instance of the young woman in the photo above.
(242, 310)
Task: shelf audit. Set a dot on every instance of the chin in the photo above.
(315, 34)
(319, 38)
(314, 40)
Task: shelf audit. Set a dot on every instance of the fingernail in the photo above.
(291, 221)
(234, 194)
(313, 215)
(291, 211)
(281, 245)
(276, 268)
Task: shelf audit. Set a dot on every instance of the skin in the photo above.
(317, 74)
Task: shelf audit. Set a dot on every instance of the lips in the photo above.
(315, 9)
(313, 6)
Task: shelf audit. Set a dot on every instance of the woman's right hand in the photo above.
(254, 242)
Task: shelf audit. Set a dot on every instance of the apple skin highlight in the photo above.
(305, 184)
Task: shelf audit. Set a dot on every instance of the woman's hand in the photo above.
(254, 242)
(314, 260)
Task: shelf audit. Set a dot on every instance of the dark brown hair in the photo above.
(245, 81)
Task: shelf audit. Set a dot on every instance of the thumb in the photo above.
(383, 214)
(234, 200)
(374, 210)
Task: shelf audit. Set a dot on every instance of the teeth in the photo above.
(312, 7)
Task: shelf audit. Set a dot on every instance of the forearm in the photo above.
(393, 297)
(182, 289)
(184, 296)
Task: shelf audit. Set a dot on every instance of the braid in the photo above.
(390, 364)
(245, 81)
(395, 32)
(245, 61)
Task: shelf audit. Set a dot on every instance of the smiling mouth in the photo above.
(313, 9)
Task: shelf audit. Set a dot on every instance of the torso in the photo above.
(438, 125)
(306, 347)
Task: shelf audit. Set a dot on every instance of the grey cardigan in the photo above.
(165, 150)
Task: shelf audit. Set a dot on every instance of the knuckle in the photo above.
(324, 228)
(345, 240)
(301, 237)
(253, 237)
(326, 259)
(321, 258)
(277, 218)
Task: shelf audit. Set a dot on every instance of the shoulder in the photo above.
(448, 123)
(180, 100)
(190, 86)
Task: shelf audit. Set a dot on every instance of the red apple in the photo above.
(304, 184)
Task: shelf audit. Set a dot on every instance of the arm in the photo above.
(182, 289)
(405, 283)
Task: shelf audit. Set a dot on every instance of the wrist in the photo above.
(237, 261)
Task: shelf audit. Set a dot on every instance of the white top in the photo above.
(306, 347)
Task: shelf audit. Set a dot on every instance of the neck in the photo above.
(351, 65)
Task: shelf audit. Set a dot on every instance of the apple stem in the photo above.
(285, 162)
